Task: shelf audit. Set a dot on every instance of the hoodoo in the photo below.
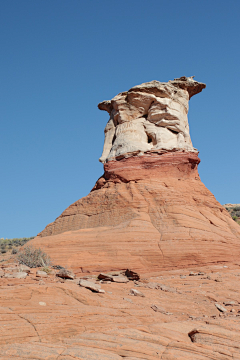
(149, 211)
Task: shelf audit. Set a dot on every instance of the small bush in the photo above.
(3, 251)
(33, 257)
(46, 269)
(14, 251)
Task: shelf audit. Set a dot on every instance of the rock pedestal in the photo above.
(147, 213)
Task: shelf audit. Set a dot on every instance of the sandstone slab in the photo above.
(65, 274)
(91, 286)
(40, 273)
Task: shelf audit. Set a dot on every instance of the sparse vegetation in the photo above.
(33, 257)
(234, 211)
(46, 269)
(13, 244)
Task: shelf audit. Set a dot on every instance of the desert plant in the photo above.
(46, 269)
(14, 251)
(9, 243)
(33, 257)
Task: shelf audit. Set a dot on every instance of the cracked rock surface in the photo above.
(65, 321)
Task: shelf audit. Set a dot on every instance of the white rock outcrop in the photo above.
(151, 116)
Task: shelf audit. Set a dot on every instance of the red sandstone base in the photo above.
(146, 213)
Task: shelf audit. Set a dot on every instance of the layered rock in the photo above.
(149, 116)
(177, 318)
(149, 211)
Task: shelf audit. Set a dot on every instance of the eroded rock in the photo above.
(158, 309)
(120, 279)
(113, 278)
(16, 275)
(136, 292)
(40, 273)
(131, 275)
(220, 308)
(91, 286)
(65, 274)
(150, 116)
(166, 288)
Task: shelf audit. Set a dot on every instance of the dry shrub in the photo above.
(33, 257)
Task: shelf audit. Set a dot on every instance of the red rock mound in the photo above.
(148, 213)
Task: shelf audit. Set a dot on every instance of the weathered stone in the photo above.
(8, 275)
(11, 268)
(166, 288)
(131, 275)
(25, 268)
(120, 279)
(150, 116)
(220, 308)
(158, 309)
(16, 275)
(105, 277)
(65, 274)
(136, 292)
(1, 273)
(230, 303)
(91, 286)
(40, 273)
(42, 303)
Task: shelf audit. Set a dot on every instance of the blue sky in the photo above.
(60, 58)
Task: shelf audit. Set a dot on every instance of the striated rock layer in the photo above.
(148, 213)
(178, 317)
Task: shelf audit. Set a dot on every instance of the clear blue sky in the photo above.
(60, 58)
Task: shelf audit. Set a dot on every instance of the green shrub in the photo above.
(14, 251)
(33, 257)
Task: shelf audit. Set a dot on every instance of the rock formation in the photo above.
(150, 210)
(150, 116)
(151, 214)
